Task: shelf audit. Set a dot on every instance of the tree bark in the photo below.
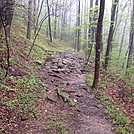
(78, 30)
(6, 14)
(55, 21)
(49, 22)
(131, 42)
(63, 20)
(90, 31)
(28, 36)
(85, 29)
(111, 32)
(98, 43)
(38, 10)
(95, 18)
(34, 13)
(6, 11)
(122, 38)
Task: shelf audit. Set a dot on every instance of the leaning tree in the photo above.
(6, 15)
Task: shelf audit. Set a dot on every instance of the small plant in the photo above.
(59, 126)
(66, 98)
(89, 79)
(122, 122)
(61, 116)
(11, 103)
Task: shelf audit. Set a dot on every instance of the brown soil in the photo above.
(66, 71)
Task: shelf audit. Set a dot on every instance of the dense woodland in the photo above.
(36, 34)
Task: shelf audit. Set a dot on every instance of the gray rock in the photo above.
(38, 62)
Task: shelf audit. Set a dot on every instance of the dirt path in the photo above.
(66, 72)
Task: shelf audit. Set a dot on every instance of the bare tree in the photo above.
(111, 32)
(123, 34)
(90, 31)
(78, 28)
(130, 60)
(98, 43)
(6, 11)
(6, 14)
(29, 19)
(39, 13)
(55, 20)
(49, 21)
(63, 20)
(34, 13)
(85, 29)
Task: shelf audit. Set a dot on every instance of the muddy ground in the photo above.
(85, 115)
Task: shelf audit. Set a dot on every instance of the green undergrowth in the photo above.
(21, 92)
(22, 102)
(66, 98)
(57, 124)
(117, 67)
(89, 79)
(23, 89)
(121, 121)
(56, 45)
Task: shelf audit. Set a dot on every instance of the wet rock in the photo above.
(38, 62)
(66, 62)
(60, 64)
(52, 96)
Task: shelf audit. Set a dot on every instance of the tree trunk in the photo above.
(122, 38)
(39, 13)
(131, 42)
(111, 32)
(34, 13)
(98, 43)
(6, 14)
(49, 22)
(78, 30)
(28, 36)
(55, 22)
(95, 22)
(6, 11)
(85, 29)
(90, 31)
(63, 20)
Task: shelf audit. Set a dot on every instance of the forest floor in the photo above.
(69, 105)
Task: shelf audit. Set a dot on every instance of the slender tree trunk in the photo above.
(120, 19)
(55, 21)
(126, 53)
(38, 6)
(123, 34)
(63, 20)
(49, 22)
(111, 32)
(41, 23)
(70, 16)
(34, 14)
(85, 29)
(38, 10)
(6, 14)
(131, 42)
(6, 11)
(90, 31)
(78, 30)
(59, 22)
(28, 36)
(98, 43)
(95, 22)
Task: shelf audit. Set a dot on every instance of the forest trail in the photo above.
(65, 75)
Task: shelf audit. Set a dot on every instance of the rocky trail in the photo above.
(71, 108)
